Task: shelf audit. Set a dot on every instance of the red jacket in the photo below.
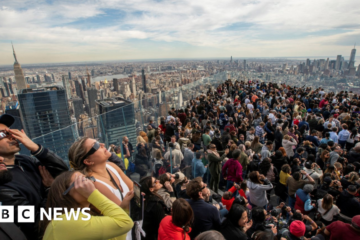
(168, 231)
(226, 202)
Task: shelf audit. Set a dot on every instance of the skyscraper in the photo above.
(66, 83)
(46, 118)
(116, 84)
(92, 96)
(78, 88)
(352, 58)
(78, 107)
(338, 63)
(143, 78)
(116, 120)
(69, 75)
(245, 65)
(88, 78)
(231, 59)
(19, 74)
(133, 86)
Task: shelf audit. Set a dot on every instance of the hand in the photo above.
(24, 139)
(168, 186)
(262, 177)
(248, 225)
(314, 205)
(274, 230)
(281, 205)
(226, 151)
(126, 201)
(302, 172)
(83, 186)
(47, 179)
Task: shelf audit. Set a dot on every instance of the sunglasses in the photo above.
(92, 150)
(4, 134)
(73, 185)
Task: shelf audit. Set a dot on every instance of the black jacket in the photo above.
(348, 204)
(229, 231)
(353, 156)
(154, 211)
(26, 187)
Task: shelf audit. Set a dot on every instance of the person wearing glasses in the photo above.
(206, 216)
(73, 191)
(24, 180)
(90, 156)
(154, 207)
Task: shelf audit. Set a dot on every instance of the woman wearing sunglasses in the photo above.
(91, 157)
(72, 190)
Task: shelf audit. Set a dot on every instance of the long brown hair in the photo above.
(327, 202)
(76, 154)
(56, 198)
(182, 215)
(255, 141)
(323, 155)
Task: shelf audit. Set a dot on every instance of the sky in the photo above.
(54, 31)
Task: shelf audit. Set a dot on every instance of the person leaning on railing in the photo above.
(114, 223)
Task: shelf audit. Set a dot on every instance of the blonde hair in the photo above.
(140, 139)
(286, 137)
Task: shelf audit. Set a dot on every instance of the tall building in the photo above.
(7, 89)
(92, 72)
(69, 75)
(78, 88)
(231, 59)
(245, 65)
(143, 78)
(133, 86)
(38, 78)
(19, 74)
(53, 77)
(78, 107)
(116, 120)
(66, 83)
(116, 84)
(352, 58)
(88, 78)
(46, 118)
(92, 96)
(83, 84)
(338, 63)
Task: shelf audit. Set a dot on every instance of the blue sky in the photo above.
(91, 30)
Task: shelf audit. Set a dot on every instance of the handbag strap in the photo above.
(328, 210)
(116, 185)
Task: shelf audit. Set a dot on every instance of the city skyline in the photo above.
(83, 31)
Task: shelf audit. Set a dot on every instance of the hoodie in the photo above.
(169, 231)
(233, 169)
(257, 192)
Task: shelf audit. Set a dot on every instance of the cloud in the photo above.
(276, 27)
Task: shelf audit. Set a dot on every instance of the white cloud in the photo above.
(202, 23)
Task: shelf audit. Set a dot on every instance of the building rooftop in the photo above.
(40, 89)
(111, 102)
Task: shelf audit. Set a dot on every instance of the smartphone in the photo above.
(137, 204)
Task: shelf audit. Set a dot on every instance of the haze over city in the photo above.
(73, 31)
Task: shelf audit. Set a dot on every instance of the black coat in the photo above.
(26, 187)
(229, 231)
(353, 156)
(348, 204)
(154, 211)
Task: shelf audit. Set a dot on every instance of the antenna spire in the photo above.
(16, 61)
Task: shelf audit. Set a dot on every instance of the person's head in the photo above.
(8, 145)
(297, 176)
(195, 189)
(166, 177)
(297, 228)
(125, 139)
(210, 235)
(258, 214)
(254, 177)
(325, 155)
(327, 135)
(308, 188)
(212, 147)
(353, 177)
(158, 155)
(286, 168)
(269, 144)
(327, 201)
(242, 137)
(238, 215)
(355, 223)
(150, 185)
(182, 214)
(173, 139)
(87, 153)
(286, 137)
(236, 154)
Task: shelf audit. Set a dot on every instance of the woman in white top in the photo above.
(91, 157)
(288, 143)
(327, 209)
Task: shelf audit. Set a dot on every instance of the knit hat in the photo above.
(297, 228)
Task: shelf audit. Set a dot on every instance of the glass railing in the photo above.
(130, 120)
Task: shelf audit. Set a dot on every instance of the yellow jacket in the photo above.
(113, 225)
(126, 161)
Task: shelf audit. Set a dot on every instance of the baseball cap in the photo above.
(327, 180)
(297, 228)
(7, 120)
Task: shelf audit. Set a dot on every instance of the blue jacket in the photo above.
(199, 168)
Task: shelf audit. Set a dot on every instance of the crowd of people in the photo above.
(247, 160)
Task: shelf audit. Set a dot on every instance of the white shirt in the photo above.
(330, 215)
(250, 107)
(247, 100)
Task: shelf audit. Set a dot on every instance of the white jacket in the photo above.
(287, 145)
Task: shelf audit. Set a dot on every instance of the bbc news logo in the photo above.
(26, 214)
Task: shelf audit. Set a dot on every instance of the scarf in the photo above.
(213, 152)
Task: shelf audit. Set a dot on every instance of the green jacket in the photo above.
(244, 160)
(206, 139)
(215, 162)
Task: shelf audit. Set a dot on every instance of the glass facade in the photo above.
(46, 118)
